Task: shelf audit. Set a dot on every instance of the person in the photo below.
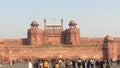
(92, 63)
(12, 62)
(46, 64)
(111, 61)
(88, 63)
(73, 63)
(56, 65)
(36, 64)
(79, 62)
(62, 64)
(66, 63)
(118, 61)
(100, 65)
(96, 63)
(107, 65)
(30, 64)
(83, 63)
(40, 64)
(104, 65)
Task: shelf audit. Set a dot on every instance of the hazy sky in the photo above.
(95, 18)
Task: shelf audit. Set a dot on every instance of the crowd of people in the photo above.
(71, 63)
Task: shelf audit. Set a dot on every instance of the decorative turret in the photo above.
(62, 23)
(108, 38)
(34, 34)
(72, 24)
(34, 24)
(109, 48)
(44, 24)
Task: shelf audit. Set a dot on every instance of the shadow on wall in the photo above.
(105, 50)
(24, 41)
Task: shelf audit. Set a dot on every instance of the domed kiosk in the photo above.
(108, 38)
(72, 24)
(34, 24)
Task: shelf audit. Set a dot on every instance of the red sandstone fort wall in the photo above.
(13, 42)
(117, 41)
(86, 41)
(53, 40)
(16, 42)
(51, 52)
(118, 45)
(17, 52)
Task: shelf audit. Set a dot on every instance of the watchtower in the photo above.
(109, 48)
(72, 34)
(35, 34)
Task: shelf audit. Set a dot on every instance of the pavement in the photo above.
(14, 66)
(115, 66)
(26, 66)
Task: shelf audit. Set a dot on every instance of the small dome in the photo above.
(108, 38)
(34, 23)
(72, 22)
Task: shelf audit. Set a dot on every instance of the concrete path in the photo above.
(26, 66)
(14, 66)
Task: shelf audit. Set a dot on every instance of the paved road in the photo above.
(26, 66)
(14, 66)
(115, 66)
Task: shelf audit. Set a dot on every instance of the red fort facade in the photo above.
(73, 45)
(53, 34)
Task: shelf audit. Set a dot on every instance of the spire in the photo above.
(62, 23)
(44, 23)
